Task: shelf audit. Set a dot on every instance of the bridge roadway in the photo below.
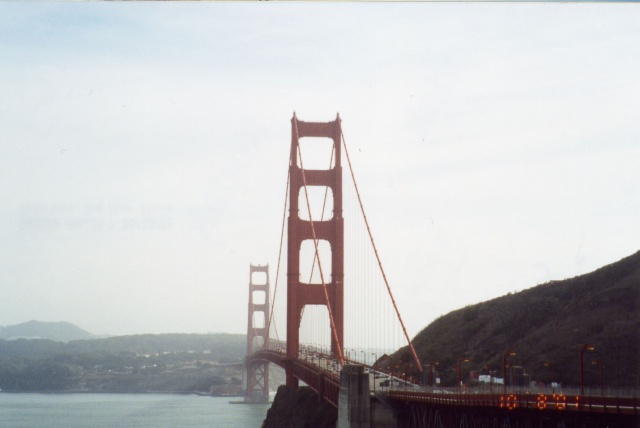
(322, 373)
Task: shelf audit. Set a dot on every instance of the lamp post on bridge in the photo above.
(392, 370)
(373, 366)
(433, 363)
(550, 365)
(460, 361)
(407, 374)
(585, 347)
(492, 376)
(488, 369)
(506, 354)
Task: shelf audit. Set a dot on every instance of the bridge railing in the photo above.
(318, 373)
(499, 389)
(519, 400)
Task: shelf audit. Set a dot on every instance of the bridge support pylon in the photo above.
(257, 373)
(354, 409)
(300, 294)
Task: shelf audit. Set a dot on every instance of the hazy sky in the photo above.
(145, 149)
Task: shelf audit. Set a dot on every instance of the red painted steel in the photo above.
(298, 293)
(325, 383)
(257, 370)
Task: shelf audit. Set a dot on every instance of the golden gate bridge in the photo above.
(341, 322)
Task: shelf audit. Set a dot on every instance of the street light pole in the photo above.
(373, 366)
(504, 367)
(404, 376)
(433, 363)
(460, 361)
(391, 376)
(550, 365)
(585, 347)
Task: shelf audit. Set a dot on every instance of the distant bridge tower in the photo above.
(258, 335)
(299, 293)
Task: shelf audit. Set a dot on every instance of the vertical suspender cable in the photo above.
(413, 351)
(275, 289)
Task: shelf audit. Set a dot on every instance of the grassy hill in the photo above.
(546, 323)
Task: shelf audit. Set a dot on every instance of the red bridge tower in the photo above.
(300, 294)
(258, 335)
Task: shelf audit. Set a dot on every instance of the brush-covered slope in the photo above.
(547, 323)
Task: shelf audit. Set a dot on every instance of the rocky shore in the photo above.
(299, 408)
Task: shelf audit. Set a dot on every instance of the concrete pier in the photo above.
(354, 401)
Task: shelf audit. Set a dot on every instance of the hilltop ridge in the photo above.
(546, 323)
(58, 331)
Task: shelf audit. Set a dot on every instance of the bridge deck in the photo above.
(319, 372)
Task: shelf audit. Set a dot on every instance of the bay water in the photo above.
(27, 410)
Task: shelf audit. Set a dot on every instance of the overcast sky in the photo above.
(145, 149)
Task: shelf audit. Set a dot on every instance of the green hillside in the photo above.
(203, 363)
(546, 323)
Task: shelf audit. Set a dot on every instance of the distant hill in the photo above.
(546, 323)
(220, 346)
(57, 331)
(203, 363)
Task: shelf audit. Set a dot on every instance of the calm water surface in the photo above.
(126, 410)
